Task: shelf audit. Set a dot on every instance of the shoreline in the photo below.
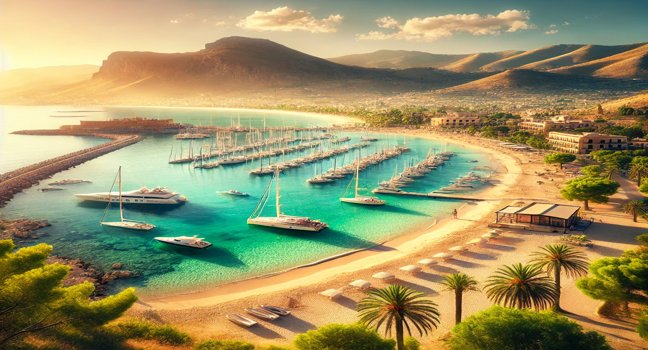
(402, 245)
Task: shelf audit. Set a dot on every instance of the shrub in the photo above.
(508, 329)
(164, 334)
(224, 345)
(342, 337)
(412, 344)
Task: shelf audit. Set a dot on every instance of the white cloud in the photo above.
(285, 19)
(174, 21)
(553, 29)
(436, 27)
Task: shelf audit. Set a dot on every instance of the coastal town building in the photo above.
(455, 120)
(558, 122)
(638, 143)
(538, 216)
(586, 142)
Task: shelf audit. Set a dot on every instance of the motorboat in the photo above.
(185, 241)
(156, 196)
(236, 193)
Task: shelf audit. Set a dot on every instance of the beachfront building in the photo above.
(586, 142)
(638, 143)
(558, 122)
(538, 216)
(455, 120)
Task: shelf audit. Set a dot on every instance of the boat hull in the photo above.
(362, 201)
(139, 200)
(273, 222)
(138, 226)
(180, 244)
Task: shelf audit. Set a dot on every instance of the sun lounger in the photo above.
(384, 276)
(411, 269)
(360, 284)
(427, 262)
(331, 293)
(443, 256)
(458, 248)
(241, 320)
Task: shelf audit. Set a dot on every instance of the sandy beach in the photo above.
(518, 176)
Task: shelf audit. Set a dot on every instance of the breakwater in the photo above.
(17, 180)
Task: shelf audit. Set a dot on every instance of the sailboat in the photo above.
(288, 222)
(125, 223)
(359, 199)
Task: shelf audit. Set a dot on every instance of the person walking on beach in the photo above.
(454, 213)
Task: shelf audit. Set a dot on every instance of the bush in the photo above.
(224, 345)
(508, 329)
(644, 187)
(343, 337)
(164, 334)
(412, 344)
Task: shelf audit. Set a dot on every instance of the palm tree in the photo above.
(639, 169)
(636, 208)
(558, 258)
(521, 286)
(398, 306)
(459, 283)
(609, 170)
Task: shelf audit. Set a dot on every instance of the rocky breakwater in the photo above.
(17, 180)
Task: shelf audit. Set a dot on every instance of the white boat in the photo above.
(185, 241)
(156, 196)
(277, 310)
(359, 199)
(288, 222)
(241, 320)
(236, 193)
(123, 222)
(262, 313)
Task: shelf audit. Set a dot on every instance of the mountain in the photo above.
(474, 62)
(398, 59)
(627, 64)
(639, 100)
(526, 80)
(580, 55)
(527, 57)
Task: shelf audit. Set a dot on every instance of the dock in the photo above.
(432, 195)
(17, 180)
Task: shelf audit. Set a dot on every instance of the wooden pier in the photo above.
(432, 195)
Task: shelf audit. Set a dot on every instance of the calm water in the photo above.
(239, 250)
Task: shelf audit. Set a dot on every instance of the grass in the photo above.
(163, 334)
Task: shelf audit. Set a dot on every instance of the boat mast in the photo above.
(357, 177)
(121, 207)
(277, 195)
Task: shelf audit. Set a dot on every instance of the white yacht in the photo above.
(185, 241)
(156, 196)
(288, 222)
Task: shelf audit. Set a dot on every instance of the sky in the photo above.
(37, 33)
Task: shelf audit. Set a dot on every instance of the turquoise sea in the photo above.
(239, 251)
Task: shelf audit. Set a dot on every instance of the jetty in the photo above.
(17, 180)
(433, 195)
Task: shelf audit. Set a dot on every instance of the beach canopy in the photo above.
(360, 284)
(383, 276)
(331, 293)
(457, 248)
(477, 241)
(427, 262)
(442, 256)
(410, 268)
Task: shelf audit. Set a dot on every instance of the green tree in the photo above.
(626, 110)
(558, 258)
(401, 308)
(638, 169)
(617, 280)
(635, 208)
(459, 283)
(559, 158)
(33, 298)
(592, 170)
(342, 337)
(586, 189)
(521, 286)
(510, 329)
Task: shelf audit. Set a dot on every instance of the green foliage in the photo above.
(33, 298)
(396, 306)
(592, 170)
(626, 110)
(616, 159)
(224, 345)
(164, 334)
(510, 329)
(618, 279)
(639, 168)
(559, 158)
(342, 337)
(412, 344)
(521, 286)
(644, 187)
(636, 208)
(642, 239)
(587, 188)
(642, 327)
(459, 283)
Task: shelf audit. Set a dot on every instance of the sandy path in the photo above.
(202, 313)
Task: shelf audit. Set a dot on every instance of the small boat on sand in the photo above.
(241, 320)
(262, 313)
(277, 310)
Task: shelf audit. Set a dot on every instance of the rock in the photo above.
(117, 266)
(21, 228)
(113, 275)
